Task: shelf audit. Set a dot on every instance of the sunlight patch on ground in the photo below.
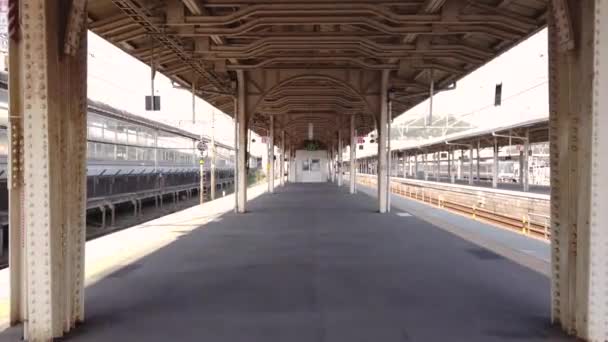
(112, 252)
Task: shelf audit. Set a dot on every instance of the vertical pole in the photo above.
(17, 246)
(521, 167)
(156, 151)
(353, 156)
(460, 161)
(242, 142)
(526, 168)
(382, 143)
(237, 104)
(449, 164)
(288, 163)
(471, 165)
(438, 166)
(478, 161)
(425, 165)
(452, 176)
(402, 170)
(593, 302)
(416, 166)
(201, 178)
(282, 162)
(271, 155)
(400, 164)
(201, 167)
(340, 153)
(332, 162)
(47, 165)
(495, 167)
(212, 183)
(578, 123)
(389, 153)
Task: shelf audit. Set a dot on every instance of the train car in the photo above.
(129, 159)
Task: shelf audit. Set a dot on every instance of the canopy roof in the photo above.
(314, 61)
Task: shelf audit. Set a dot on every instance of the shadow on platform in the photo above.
(314, 263)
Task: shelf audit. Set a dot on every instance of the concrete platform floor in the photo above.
(314, 263)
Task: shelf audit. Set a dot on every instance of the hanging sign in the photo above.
(153, 104)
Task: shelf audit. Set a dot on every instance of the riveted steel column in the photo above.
(382, 144)
(17, 247)
(578, 124)
(389, 153)
(235, 180)
(353, 156)
(598, 215)
(242, 141)
(51, 96)
(332, 162)
(340, 152)
(282, 161)
(288, 163)
(271, 163)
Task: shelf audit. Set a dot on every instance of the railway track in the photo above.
(534, 225)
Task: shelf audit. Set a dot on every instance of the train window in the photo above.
(152, 139)
(167, 155)
(109, 131)
(145, 137)
(121, 134)
(132, 135)
(96, 150)
(95, 132)
(108, 152)
(131, 153)
(139, 153)
(164, 141)
(149, 153)
(90, 150)
(121, 152)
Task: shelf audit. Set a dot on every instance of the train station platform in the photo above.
(311, 262)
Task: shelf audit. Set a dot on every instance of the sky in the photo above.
(523, 72)
(119, 80)
(122, 81)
